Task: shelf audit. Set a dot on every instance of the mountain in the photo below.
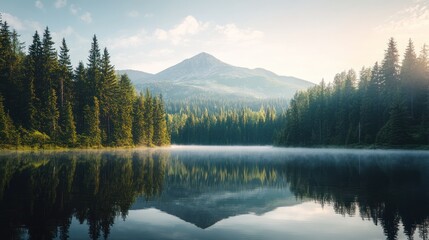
(206, 76)
(206, 208)
(137, 77)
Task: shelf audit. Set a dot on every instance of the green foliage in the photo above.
(124, 119)
(381, 108)
(148, 119)
(51, 105)
(138, 121)
(68, 126)
(234, 126)
(7, 129)
(160, 136)
(92, 132)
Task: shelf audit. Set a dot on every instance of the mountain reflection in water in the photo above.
(43, 194)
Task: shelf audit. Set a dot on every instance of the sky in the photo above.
(307, 39)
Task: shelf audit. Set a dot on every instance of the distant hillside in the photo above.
(137, 77)
(204, 76)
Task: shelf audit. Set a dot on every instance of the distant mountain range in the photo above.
(206, 76)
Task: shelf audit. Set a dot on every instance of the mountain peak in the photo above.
(204, 59)
(200, 64)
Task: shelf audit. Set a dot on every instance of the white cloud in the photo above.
(235, 34)
(39, 4)
(13, 21)
(86, 17)
(73, 9)
(164, 47)
(60, 3)
(189, 26)
(133, 14)
(132, 41)
(411, 18)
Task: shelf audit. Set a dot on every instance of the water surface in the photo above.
(199, 192)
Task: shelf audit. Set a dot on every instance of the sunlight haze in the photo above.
(306, 39)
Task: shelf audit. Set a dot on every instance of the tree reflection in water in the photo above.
(40, 193)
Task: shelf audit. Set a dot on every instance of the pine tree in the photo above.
(408, 76)
(390, 73)
(396, 131)
(138, 120)
(80, 95)
(7, 130)
(148, 118)
(93, 71)
(124, 118)
(51, 126)
(69, 135)
(107, 90)
(92, 130)
(160, 132)
(65, 75)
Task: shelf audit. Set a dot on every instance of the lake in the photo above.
(198, 192)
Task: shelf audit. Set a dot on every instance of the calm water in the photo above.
(215, 193)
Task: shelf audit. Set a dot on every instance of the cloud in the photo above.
(410, 18)
(131, 41)
(39, 4)
(13, 21)
(189, 26)
(60, 3)
(74, 10)
(235, 34)
(86, 17)
(133, 14)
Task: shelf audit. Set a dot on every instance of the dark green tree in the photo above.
(124, 119)
(65, 88)
(138, 121)
(160, 131)
(68, 126)
(51, 126)
(92, 130)
(107, 91)
(148, 118)
(390, 74)
(93, 71)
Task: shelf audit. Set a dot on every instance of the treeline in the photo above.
(386, 105)
(43, 101)
(226, 127)
(215, 106)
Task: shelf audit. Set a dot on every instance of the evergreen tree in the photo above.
(51, 126)
(93, 71)
(33, 84)
(107, 90)
(396, 131)
(80, 95)
(138, 121)
(148, 118)
(124, 119)
(7, 130)
(92, 124)
(160, 132)
(390, 73)
(69, 135)
(65, 75)
(408, 76)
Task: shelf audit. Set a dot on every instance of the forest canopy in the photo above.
(386, 104)
(45, 102)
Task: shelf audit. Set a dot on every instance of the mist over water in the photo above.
(213, 192)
